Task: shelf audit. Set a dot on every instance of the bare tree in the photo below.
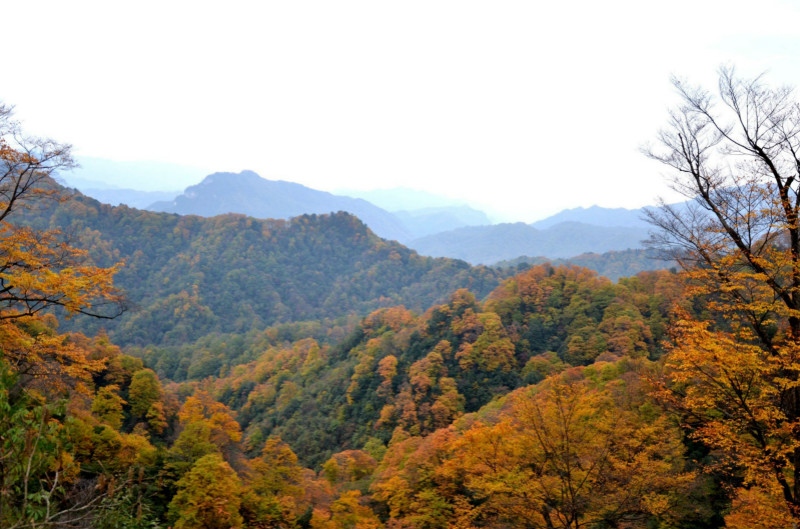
(29, 258)
(26, 163)
(39, 270)
(736, 157)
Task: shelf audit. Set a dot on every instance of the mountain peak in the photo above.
(226, 177)
(248, 193)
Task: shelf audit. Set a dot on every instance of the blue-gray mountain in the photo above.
(249, 194)
(444, 230)
(490, 244)
(597, 216)
(188, 276)
(613, 265)
(427, 221)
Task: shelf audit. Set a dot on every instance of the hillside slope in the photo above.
(613, 264)
(187, 276)
(420, 372)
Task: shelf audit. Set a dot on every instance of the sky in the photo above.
(519, 108)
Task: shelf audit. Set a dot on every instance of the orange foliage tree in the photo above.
(347, 512)
(39, 271)
(208, 427)
(570, 455)
(736, 376)
(585, 448)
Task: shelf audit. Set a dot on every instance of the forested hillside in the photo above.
(614, 264)
(188, 276)
(306, 374)
(419, 372)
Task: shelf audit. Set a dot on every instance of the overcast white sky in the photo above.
(522, 108)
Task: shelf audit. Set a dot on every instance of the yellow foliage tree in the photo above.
(569, 455)
(347, 512)
(208, 427)
(39, 271)
(571, 452)
(736, 376)
(273, 491)
(208, 496)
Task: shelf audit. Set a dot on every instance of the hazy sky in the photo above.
(523, 108)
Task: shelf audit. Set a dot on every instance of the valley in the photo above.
(253, 353)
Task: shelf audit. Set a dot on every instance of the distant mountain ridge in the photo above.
(446, 231)
(441, 229)
(597, 216)
(490, 244)
(613, 264)
(249, 194)
(188, 276)
(427, 221)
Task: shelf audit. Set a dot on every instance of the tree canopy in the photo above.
(735, 375)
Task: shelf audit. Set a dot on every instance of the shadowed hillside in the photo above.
(187, 276)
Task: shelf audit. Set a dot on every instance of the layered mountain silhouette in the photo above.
(249, 194)
(597, 216)
(445, 230)
(440, 232)
(188, 276)
(490, 244)
(427, 221)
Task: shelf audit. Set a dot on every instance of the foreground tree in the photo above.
(37, 269)
(585, 448)
(736, 377)
(40, 483)
(273, 493)
(208, 496)
(570, 455)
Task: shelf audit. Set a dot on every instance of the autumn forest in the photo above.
(160, 370)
